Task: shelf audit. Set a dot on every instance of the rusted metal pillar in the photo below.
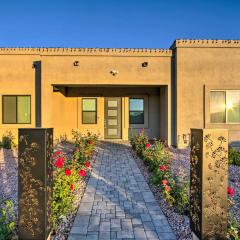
(35, 183)
(208, 183)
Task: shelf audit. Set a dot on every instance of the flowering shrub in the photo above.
(139, 142)
(175, 189)
(67, 173)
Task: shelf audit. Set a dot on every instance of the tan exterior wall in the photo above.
(62, 112)
(17, 77)
(198, 70)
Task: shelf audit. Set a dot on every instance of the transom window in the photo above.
(89, 110)
(225, 106)
(16, 109)
(136, 110)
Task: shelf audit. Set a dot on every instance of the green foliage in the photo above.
(68, 174)
(234, 156)
(156, 155)
(7, 140)
(139, 141)
(233, 228)
(157, 158)
(6, 224)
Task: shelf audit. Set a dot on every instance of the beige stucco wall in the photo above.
(17, 78)
(200, 68)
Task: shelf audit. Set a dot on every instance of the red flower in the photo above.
(90, 141)
(71, 186)
(148, 145)
(163, 168)
(167, 188)
(59, 162)
(82, 173)
(164, 182)
(87, 164)
(68, 172)
(230, 191)
(57, 152)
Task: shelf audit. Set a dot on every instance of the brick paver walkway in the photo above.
(118, 203)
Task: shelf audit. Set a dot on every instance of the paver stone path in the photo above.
(118, 203)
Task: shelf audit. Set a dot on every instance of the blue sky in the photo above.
(115, 23)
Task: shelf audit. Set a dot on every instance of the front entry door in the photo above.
(112, 118)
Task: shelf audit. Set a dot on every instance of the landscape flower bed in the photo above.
(68, 174)
(71, 164)
(173, 186)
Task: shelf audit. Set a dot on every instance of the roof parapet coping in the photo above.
(89, 51)
(205, 43)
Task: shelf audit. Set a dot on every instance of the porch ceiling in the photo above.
(69, 90)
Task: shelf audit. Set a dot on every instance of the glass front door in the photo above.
(112, 119)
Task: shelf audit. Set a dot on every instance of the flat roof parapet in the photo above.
(205, 43)
(89, 51)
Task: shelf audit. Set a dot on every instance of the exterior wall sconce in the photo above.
(76, 63)
(144, 64)
(114, 72)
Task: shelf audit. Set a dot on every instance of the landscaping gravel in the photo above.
(180, 164)
(181, 167)
(9, 177)
(9, 186)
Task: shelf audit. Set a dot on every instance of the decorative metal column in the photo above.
(208, 183)
(35, 183)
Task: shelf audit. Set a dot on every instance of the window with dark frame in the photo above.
(16, 109)
(136, 111)
(89, 110)
(225, 106)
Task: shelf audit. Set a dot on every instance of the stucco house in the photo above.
(193, 84)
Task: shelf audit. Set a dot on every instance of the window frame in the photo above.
(142, 98)
(90, 111)
(226, 115)
(16, 96)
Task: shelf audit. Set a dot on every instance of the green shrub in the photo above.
(68, 174)
(139, 142)
(233, 228)
(7, 140)
(234, 156)
(6, 224)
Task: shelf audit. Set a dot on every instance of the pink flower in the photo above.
(230, 191)
(59, 162)
(68, 172)
(71, 186)
(167, 188)
(82, 173)
(163, 168)
(142, 130)
(87, 164)
(164, 182)
(148, 145)
(57, 152)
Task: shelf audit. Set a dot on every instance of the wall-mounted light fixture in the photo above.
(144, 64)
(76, 63)
(114, 72)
